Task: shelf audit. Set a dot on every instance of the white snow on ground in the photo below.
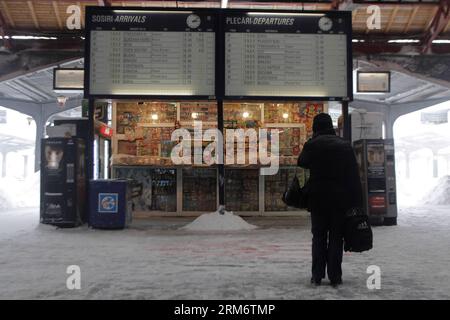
(218, 222)
(155, 260)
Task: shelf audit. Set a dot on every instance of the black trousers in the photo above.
(327, 227)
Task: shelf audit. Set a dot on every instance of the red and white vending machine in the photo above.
(376, 163)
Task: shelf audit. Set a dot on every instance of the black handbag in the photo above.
(358, 236)
(296, 196)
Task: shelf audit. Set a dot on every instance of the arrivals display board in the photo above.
(282, 54)
(136, 52)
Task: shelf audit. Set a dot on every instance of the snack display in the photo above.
(204, 111)
(142, 150)
(241, 189)
(199, 189)
(308, 111)
(133, 114)
(282, 113)
(242, 115)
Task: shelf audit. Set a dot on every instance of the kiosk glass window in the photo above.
(159, 188)
(199, 189)
(241, 189)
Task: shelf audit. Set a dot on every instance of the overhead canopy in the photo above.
(404, 87)
(36, 86)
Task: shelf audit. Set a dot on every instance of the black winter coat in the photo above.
(334, 176)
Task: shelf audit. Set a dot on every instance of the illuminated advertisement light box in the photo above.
(285, 54)
(143, 52)
(373, 81)
(68, 79)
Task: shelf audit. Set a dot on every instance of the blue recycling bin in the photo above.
(110, 203)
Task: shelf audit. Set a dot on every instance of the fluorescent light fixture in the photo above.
(28, 38)
(285, 14)
(441, 41)
(224, 4)
(357, 40)
(404, 41)
(138, 11)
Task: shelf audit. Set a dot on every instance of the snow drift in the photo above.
(218, 222)
(440, 194)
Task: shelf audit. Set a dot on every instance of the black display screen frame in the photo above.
(220, 16)
(347, 20)
(97, 10)
(359, 90)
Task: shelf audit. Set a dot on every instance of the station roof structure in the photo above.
(413, 43)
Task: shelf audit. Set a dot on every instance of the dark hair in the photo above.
(322, 122)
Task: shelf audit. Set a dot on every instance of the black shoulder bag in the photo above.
(296, 196)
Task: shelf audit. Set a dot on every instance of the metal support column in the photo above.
(346, 120)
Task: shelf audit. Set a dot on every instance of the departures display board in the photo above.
(213, 54)
(150, 53)
(275, 54)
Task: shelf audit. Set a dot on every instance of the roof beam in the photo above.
(28, 94)
(58, 18)
(391, 19)
(411, 18)
(7, 14)
(405, 94)
(24, 83)
(438, 24)
(104, 3)
(82, 14)
(33, 14)
(3, 33)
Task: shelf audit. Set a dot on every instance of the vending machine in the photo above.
(376, 163)
(63, 182)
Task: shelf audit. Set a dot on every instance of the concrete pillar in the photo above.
(435, 164)
(40, 130)
(25, 166)
(407, 159)
(4, 156)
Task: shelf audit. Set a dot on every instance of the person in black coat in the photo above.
(334, 186)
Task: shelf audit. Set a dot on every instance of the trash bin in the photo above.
(110, 203)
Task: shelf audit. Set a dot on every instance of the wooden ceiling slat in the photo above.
(391, 19)
(411, 19)
(33, 14)
(58, 18)
(82, 13)
(8, 15)
(51, 14)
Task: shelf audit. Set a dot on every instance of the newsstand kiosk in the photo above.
(165, 69)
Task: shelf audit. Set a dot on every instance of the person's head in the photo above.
(322, 123)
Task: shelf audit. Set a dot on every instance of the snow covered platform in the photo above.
(155, 259)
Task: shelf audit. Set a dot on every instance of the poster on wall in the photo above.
(140, 52)
(283, 54)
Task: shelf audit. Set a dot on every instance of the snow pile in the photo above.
(219, 222)
(440, 194)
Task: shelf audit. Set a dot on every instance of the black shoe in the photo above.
(316, 282)
(336, 283)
